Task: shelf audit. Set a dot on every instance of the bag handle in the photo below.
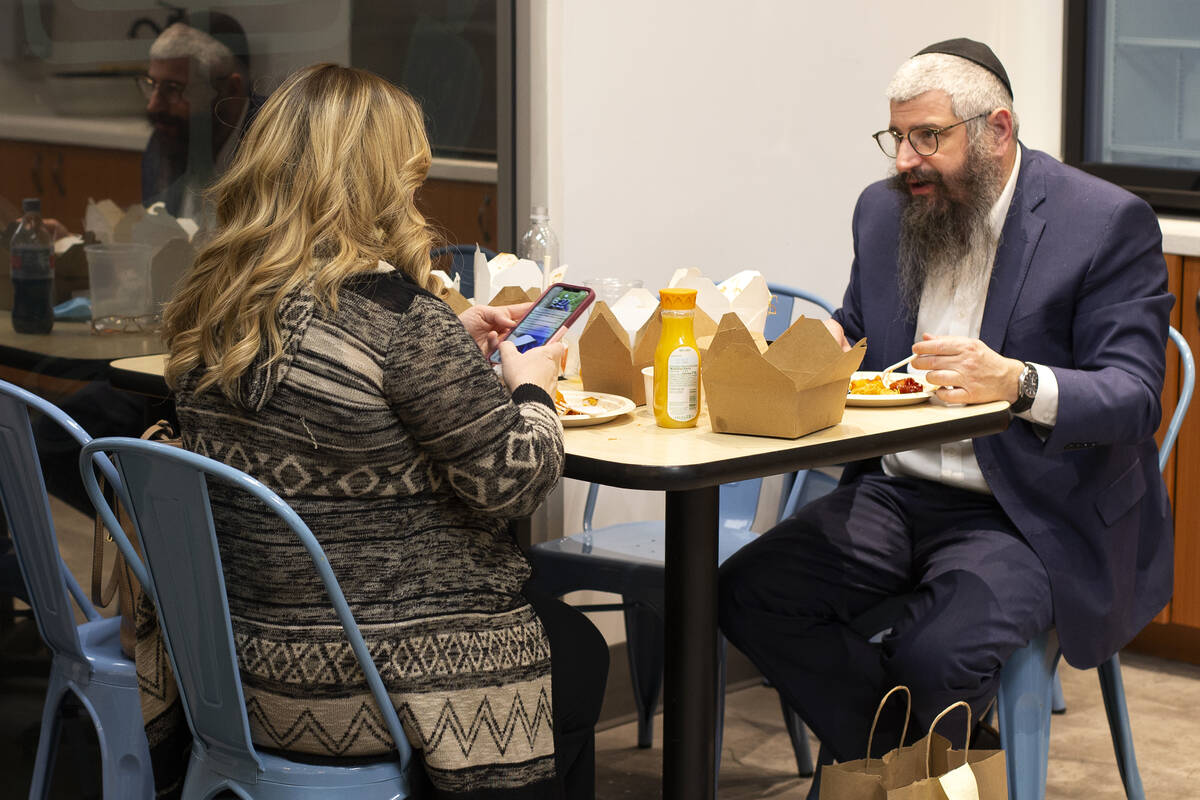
(103, 596)
(160, 431)
(879, 710)
(929, 738)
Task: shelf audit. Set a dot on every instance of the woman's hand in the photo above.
(487, 324)
(537, 365)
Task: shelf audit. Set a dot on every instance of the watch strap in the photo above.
(1027, 386)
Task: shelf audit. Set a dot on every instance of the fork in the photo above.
(887, 373)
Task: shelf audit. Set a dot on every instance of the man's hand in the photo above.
(967, 370)
(839, 335)
(487, 324)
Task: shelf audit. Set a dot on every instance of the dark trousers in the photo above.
(578, 673)
(941, 570)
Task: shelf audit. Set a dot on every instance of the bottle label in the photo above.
(31, 263)
(683, 384)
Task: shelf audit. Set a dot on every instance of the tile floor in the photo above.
(757, 761)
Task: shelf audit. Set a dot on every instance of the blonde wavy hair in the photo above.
(322, 188)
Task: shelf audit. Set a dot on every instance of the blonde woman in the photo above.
(305, 351)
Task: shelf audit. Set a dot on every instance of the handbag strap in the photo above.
(102, 597)
(936, 720)
(879, 710)
(160, 431)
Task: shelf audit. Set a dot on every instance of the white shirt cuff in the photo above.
(1044, 410)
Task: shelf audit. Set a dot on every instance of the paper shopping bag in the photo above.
(928, 769)
(863, 778)
(947, 774)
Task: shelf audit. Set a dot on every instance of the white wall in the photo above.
(730, 136)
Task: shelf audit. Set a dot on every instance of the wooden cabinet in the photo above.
(1175, 633)
(64, 177)
(461, 212)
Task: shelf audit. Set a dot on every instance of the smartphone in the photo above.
(558, 307)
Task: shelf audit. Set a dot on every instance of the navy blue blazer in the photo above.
(1079, 284)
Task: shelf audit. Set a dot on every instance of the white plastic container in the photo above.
(121, 292)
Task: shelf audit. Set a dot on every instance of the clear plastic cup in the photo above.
(121, 293)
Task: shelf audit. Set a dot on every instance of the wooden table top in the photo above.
(70, 346)
(632, 452)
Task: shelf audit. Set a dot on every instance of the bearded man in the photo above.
(198, 100)
(1011, 277)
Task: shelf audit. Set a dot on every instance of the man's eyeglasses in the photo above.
(169, 91)
(924, 140)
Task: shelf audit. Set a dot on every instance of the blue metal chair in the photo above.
(1026, 681)
(87, 660)
(167, 497)
(462, 261)
(627, 559)
(783, 302)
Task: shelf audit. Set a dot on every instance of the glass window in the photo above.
(1142, 96)
(86, 112)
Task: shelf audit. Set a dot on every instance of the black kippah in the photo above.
(974, 51)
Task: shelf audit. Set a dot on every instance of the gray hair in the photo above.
(184, 41)
(973, 90)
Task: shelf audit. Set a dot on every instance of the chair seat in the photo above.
(297, 780)
(101, 640)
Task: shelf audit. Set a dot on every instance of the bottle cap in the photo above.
(677, 299)
(539, 214)
(31, 204)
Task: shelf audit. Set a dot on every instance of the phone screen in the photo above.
(552, 311)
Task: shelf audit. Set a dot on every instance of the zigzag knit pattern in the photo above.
(388, 432)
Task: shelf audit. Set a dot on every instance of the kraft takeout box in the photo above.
(796, 387)
(609, 362)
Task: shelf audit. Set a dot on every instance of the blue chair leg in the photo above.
(798, 733)
(124, 753)
(1023, 708)
(1113, 690)
(43, 765)
(644, 642)
(1058, 703)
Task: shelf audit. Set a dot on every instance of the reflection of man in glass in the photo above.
(198, 99)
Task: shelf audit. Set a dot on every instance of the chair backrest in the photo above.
(27, 509)
(783, 301)
(462, 261)
(1187, 382)
(167, 491)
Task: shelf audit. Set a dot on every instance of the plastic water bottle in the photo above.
(32, 250)
(539, 244)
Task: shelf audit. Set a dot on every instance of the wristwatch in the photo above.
(1026, 389)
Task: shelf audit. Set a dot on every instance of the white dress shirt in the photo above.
(958, 311)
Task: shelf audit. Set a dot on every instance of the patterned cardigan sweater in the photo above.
(388, 432)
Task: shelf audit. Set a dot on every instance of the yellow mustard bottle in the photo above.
(677, 362)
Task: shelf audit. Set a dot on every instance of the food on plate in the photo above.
(875, 386)
(564, 410)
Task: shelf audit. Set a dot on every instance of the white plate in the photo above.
(610, 406)
(879, 400)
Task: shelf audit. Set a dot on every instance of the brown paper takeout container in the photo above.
(607, 362)
(796, 387)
